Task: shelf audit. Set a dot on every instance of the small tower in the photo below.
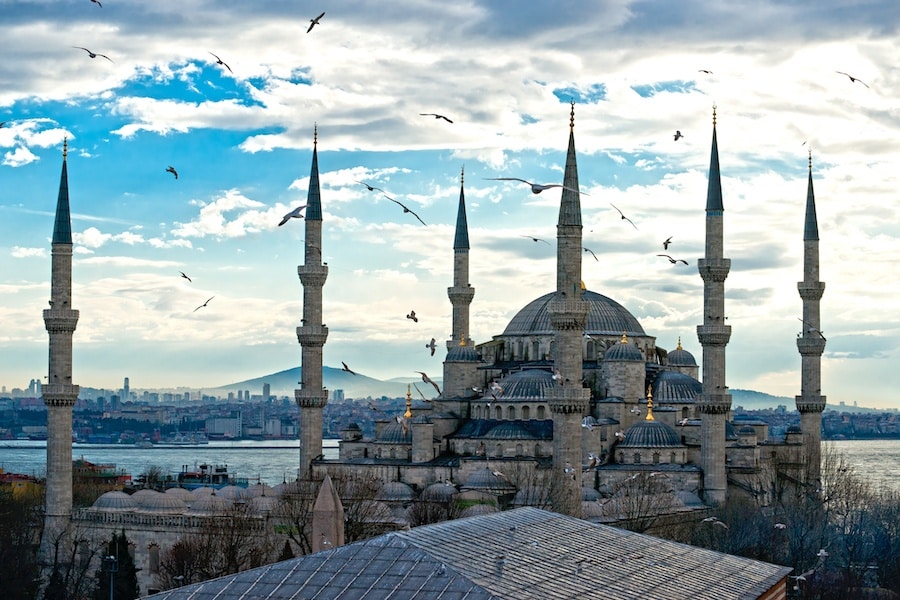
(715, 401)
(312, 333)
(811, 343)
(59, 392)
(568, 400)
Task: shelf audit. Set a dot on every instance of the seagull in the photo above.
(97, 2)
(620, 435)
(593, 460)
(592, 253)
(635, 411)
(683, 422)
(621, 214)
(822, 553)
(678, 135)
(667, 242)
(171, 169)
(780, 526)
(314, 22)
(536, 188)
(371, 188)
(344, 367)
(707, 71)
(812, 329)
(204, 304)
(2, 123)
(673, 260)
(405, 209)
(412, 315)
(404, 425)
(436, 116)
(93, 54)
(431, 345)
(185, 276)
(557, 376)
(428, 379)
(587, 424)
(852, 78)
(294, 214)
(219, 61)
(534, 239)
(496, 390)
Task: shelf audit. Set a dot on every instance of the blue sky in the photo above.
(504, 72)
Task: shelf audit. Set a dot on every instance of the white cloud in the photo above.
(19, 252)
(19, 157)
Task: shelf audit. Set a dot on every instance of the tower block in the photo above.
(811, 343)
(59, 392)
(312, 333)
(568, 400)
(715, 401)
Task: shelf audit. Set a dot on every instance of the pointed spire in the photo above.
(714, 192)
(461, 240)
(408, 412)
(313, 195)
(811, 225)
(649, 416)
(678, 347)
(570, 202)
(62, 226)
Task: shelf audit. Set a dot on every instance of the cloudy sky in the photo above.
(504, 72)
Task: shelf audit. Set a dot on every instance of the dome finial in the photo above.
(462, 175)
(624, 339)
(572, 116)
(678, 347)
(315, 134)
(649, 416)
(810, 159)
(714, 115)
(462, 341)
(65, 147)
(408, 412)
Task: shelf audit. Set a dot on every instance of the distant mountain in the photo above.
(283, 383)
(752, 400)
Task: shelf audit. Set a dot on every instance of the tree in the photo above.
(124, 577)
(20, 530)
(68, 554)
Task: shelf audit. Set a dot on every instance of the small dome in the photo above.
(589, 494)
(591, 509)
(202, 491)
(393, 433)
(746, 430)
(439, 492)
(671, 387)
(378, 512)
(526, 384)
(650, 434)
(114, 502)
(140, 497)
(486, 480)
(478, 509)
(624, 351)
(605, 317)
(261, 489)
(462, 354)
(395, 491)
(210, 504)
(182, 494)
(264, 503)
(794, 429)
(165, 504)
(233, 493)
(679, 357)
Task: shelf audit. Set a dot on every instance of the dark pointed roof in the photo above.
(570, 202)
(62, 226)
(810, 226)
(714, 192)
(313, 196)
(461, 241)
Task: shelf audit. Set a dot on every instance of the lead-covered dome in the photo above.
(679, 357)
(675, 387)
(623, 351)
(115, 502)
(526, 384)
(650, 434)
(605, 317)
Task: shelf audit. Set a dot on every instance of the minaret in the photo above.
(569, 400)
(59, 392)
(312, 333)
(715, 401)
(811, 343)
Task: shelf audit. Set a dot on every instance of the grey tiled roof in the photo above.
(521, 554)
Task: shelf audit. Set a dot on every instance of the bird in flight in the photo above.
(534, 239)
(852, 78)
(431, 345)
(621, 214)
(496, 390)
(2, 123)
(371, 188)
(812, 329)
(204, 304)
(185, 276)
(592, 253)
(219, 61)
(171, 169)
(412, 316)
(97, 2)
(405, 209)
(667, 242)
(314, 22)
(421, 394)
(294, 214)
(344, 367)
(707, 71)
(96, 54)
(436, 116)
(536, 188)
(428, 379)
(673, 260)
(678, 135)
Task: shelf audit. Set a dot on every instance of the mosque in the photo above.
(573, 407)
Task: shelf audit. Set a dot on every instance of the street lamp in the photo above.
(111, 566)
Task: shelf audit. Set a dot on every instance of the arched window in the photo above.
(478, 412)
(153, 551)
(511, 412)
(672, 458)
(467, 449)
(637, 458)
(656, 458)
(498, 412)
(499, 450)
(519, 450)
(393, 453)
(525, 412)
(537, 450)
(540, 412)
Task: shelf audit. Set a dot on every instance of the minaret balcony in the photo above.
(811, 290)
(811, 345)
(311, 398)
(59, 394)
(714, 269)
(567, 314)
(713, 335)
(714, 403)
(814, 403)
(312, 335)
(314, 275)
(568, 400)
(460, 295)
(60, 320)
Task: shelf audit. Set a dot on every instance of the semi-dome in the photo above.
(605, 317)
(462, 354)
(509, 430)
(650, 434)
(674, 387)
(395, 491)
(679, 357)
(114, 502)
(526, 384)
(393, 433)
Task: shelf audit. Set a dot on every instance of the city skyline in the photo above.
(240, 136)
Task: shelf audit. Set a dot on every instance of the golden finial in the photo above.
(408, 413)
(649, 416)
(714, 115)
(65, 147)
(462, 342)
(315, 133)
(678, 347)
(810, 159)
(583, 287)
(624, 339)
(462, 175)
(572, 117)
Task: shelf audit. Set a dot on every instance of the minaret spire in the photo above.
(715, 401)
(59, 392)
(811, 343)
(312, 333)
(568, 401)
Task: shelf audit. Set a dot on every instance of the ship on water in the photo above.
(206, 475)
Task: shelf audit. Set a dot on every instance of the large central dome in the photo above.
(605, 317)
